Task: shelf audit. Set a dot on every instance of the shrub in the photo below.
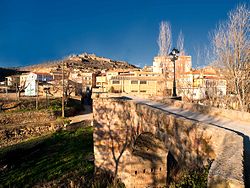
(196, 177)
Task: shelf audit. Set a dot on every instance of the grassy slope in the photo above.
(56, 158)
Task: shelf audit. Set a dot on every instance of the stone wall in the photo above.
(231, 114)
(17, 118)
(13, 135)
(20, 126)
(118, 122)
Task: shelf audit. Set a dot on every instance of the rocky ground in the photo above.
(20, 120)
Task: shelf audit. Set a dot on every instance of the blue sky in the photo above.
(33, 31)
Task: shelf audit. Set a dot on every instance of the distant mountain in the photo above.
(4, 72)
(85, 62)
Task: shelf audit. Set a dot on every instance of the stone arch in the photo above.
(172, 167)
(149, 157)
(148, 141)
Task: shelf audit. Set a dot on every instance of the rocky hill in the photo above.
(84, 62)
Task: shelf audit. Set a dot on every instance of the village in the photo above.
(156, 80)
(106, 94)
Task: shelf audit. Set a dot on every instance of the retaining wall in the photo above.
(16, 127)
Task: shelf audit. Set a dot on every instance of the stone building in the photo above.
(163, 64)
(134, 82)
(201, 83)
(192, 84)
(32, 80)
(101, 82)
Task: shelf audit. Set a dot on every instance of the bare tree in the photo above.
(203, 55)
(180, 43)
(207, 56)
(232, 51)
(65, 84)
(19, 88)
(165, 39)
(198, 56)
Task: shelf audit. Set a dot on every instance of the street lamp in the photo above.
(174, 57)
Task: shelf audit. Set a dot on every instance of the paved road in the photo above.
(240, 127)
(234, 125)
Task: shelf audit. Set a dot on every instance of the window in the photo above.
(116, 82)
(143, 82)
(134, 91)
(134, 82)
(143, 91)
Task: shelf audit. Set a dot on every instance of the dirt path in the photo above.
(86, 114)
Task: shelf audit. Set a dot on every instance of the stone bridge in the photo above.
(135, 140)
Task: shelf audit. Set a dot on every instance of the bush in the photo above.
(194, 178)
(104, 178)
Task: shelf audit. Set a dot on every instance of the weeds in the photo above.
(58, 159)
(191, 178)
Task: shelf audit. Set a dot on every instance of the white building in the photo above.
(32, 81)
(13, 80)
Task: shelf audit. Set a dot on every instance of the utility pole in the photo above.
(37, 93)
(17, 92)
(6, 85)
(62, 89)
(46, 96)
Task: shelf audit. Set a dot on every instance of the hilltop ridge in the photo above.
(84, 61)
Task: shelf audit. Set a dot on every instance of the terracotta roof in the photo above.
(42, 73)
(196, 71)
(121, 70)
(214, 73)
(187, 72)
(211, 77)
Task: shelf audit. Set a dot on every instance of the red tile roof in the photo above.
(42, 73)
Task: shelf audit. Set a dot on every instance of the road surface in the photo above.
(86, 114)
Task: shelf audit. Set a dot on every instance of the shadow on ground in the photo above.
(61, 159)
(247, 160)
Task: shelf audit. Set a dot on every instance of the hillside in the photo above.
(88, 62)
(8, 72)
